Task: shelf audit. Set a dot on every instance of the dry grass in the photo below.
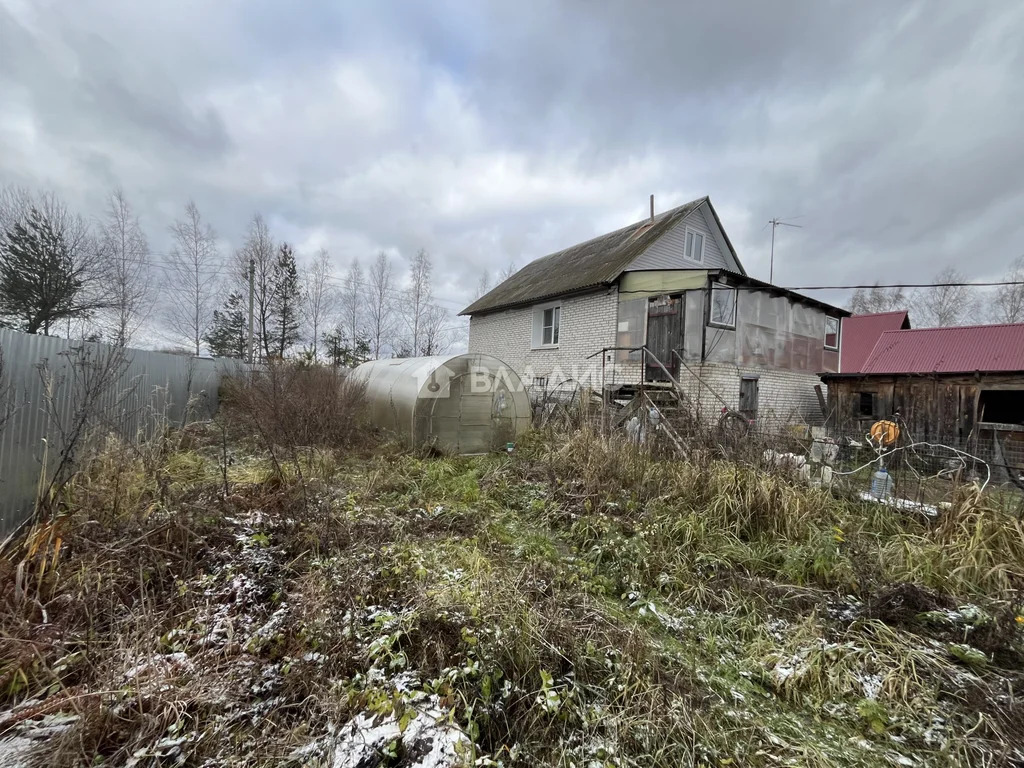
(579, 603)
(293, 405)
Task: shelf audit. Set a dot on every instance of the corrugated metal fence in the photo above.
(51, 387)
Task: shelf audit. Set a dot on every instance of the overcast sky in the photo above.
(490, 132)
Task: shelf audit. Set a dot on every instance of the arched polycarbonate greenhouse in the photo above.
(470, 403)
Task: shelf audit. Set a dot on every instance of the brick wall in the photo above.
(588, 324)
(784, 397)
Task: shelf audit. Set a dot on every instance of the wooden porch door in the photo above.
(664, 334)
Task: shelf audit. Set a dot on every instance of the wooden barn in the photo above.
(957, 386)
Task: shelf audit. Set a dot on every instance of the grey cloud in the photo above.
(490, 132)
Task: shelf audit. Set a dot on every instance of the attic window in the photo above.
(831, 332)
(694, 245)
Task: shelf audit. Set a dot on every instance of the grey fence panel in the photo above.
(43, 390)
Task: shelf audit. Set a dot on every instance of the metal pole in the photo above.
(604, 402)
(252, 300)
(771, 263)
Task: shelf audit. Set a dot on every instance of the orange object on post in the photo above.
(884, 433)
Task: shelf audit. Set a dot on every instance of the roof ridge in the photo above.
(637, 223)
(882, 314)
(954, 327)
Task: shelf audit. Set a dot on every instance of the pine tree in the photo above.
(341, 351)
(228, 335)
(40, 283)
(285, 307)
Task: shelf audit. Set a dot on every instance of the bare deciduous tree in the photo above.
(353, 304)
(877, 299)
(1008, 302)
(319, 296)
(125, 254)
(259, 252)
(380, 311)
(192, 285)
(417, 298)
(483, 285)
(943, 304)
(435, 336)
(507, 272)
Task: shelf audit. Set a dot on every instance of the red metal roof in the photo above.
(949, 350)
(860, 334)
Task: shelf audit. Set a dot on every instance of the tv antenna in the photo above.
(778, 223)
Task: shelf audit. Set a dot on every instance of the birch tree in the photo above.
(507, 272)
(483, 285)
(943, 304)
(319, 296)
(353, 304)
(126, 269)
(1008, 301)
(192, 286)
(417, 298)
(380, 313)
(259, 252)
(877, 299)
(436, 333)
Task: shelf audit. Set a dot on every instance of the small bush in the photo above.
(298, 406)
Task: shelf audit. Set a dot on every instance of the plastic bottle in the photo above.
(881, 484)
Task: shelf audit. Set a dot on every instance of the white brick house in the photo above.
(674, 284)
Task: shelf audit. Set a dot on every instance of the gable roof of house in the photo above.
(966, 349)
(860, 334)
(587, 265)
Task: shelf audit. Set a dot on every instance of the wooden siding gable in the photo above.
(669, 251)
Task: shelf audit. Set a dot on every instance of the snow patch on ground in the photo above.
(428, 741)
(21, 747)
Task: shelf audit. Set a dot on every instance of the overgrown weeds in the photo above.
(225, 599)
(291, 405)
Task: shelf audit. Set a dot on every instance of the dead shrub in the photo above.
(291, 405)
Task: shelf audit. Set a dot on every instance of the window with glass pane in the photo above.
(550, 327)
(694, 245)
(632, 316)
(723, 306)
(831, 333)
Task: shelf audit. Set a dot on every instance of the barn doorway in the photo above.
(1001, 406)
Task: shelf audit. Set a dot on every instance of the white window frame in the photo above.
(711, 309)
(686, 240)
(824, 338)
(538, 325)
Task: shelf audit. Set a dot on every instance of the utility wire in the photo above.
(906, 285)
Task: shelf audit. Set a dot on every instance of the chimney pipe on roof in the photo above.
(652, 207)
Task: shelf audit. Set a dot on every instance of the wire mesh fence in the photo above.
(918, 474)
